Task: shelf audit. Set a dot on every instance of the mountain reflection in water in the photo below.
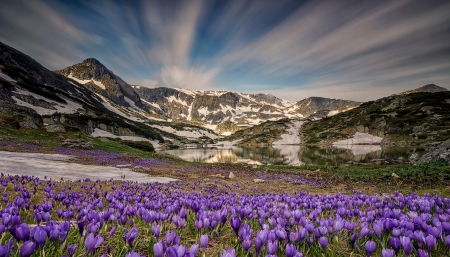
(295, 154)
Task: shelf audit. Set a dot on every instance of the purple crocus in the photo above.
(71, 249)
(387, 252)
(272, 247)
(92, 242)
(204, 241)
(158, 249)
(156, 230)
(323, 241)
(230, 252)
(113, 230)
(27, 249)
(39, 235)
(133, 254)
(430, 241)
(395, 244)
(132, 235)
(422, 253)
(290, 250)
(193, 250)
(370, 247)
(235, 223)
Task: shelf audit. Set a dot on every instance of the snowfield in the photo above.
(360, 139)
(70, 107)
(291, 135)
(101, 133)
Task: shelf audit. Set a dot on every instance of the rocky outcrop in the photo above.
(103, 81)
(440, 152)
(55, 128)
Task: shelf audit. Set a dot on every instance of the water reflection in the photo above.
(295, 154)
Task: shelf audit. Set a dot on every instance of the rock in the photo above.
(58, 128)
(103, 139)
(49, 121)
(218, 176)
(231, 176)
(123, 166)
(77, 143)
(258, 180)
(414, 157)
(394, 175)
(440, 152)
(28, 124)
(254, 167)
(378, 160)
(318, 170)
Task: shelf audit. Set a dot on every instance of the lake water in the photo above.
(295, 154)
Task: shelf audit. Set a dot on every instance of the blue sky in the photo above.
(357, 50)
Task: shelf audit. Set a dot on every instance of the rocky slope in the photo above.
(214, 108)
(420, 118)
(99, 79)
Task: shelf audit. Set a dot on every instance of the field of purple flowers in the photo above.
(41, 217)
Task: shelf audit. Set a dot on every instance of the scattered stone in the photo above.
(206, 179)
(77, 143)
(104, 139)
(28, 124)
(123, 166)
(57, 128)
(218, 176)
(258, 180)
(318, 170)
(394, 175)
(440, 152)
(231, 176)
(254, 167)
(414, 157)
(49, 121)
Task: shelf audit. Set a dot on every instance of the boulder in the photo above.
(231, 176)
(28, 124)
(77, 143)
(258, 180)
(58, 128)
(440, 152)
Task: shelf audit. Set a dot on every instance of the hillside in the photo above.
(406, 119)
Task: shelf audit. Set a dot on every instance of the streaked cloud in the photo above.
(359, 50)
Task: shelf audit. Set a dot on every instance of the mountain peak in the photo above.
(430, 88)
(92, 61)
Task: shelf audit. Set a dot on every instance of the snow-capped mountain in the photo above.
(207, 108)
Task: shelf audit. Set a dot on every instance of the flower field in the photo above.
(41, 217)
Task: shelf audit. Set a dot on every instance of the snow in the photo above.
(70, 107)
(101, 133)
(210, 126)
(132, 104)
(203, 111)
(110, 107)
(226, 133)
(98, 83)
(187, 91)
(6, 77)
(331, 113)
(360, 139)
(57, 166)
(291, 135)
(152, 104)
(191, 133)
(174, 99)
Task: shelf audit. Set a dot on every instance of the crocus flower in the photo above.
(193, 250)
(92, 242)
(323, 241)
(247, 244)
(158, 249)
(170, 236)
(204, 241)
(422, 253)
(113, 230)
(71, 249)
(272, 247)
(395, 243)
(387, 252)
(290, 250)
(370, 247)
(156, 230)
(131, 236)
(27, 249)
(133, 254)
(39, 236)
(430, 241)
(235, 223)
(230, 252)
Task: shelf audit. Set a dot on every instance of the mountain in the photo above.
(431, 88)
(99, 79)
(213, 108)
(415, 118)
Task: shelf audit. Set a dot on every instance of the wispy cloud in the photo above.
(358, 50)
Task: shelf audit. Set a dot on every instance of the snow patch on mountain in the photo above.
(187, 132)
(102, 133)
(6, 77)
(291, 136)
(360, 139)
(98, 83)
(70, 107)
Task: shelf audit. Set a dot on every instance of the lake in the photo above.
(296, 154)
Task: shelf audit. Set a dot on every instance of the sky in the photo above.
(355, 50)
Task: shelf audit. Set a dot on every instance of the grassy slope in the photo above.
(418, 119)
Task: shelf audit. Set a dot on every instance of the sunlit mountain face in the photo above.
(353, 50)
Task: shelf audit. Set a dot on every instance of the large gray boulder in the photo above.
(28, 124)
(440, 152)
(58, 128)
